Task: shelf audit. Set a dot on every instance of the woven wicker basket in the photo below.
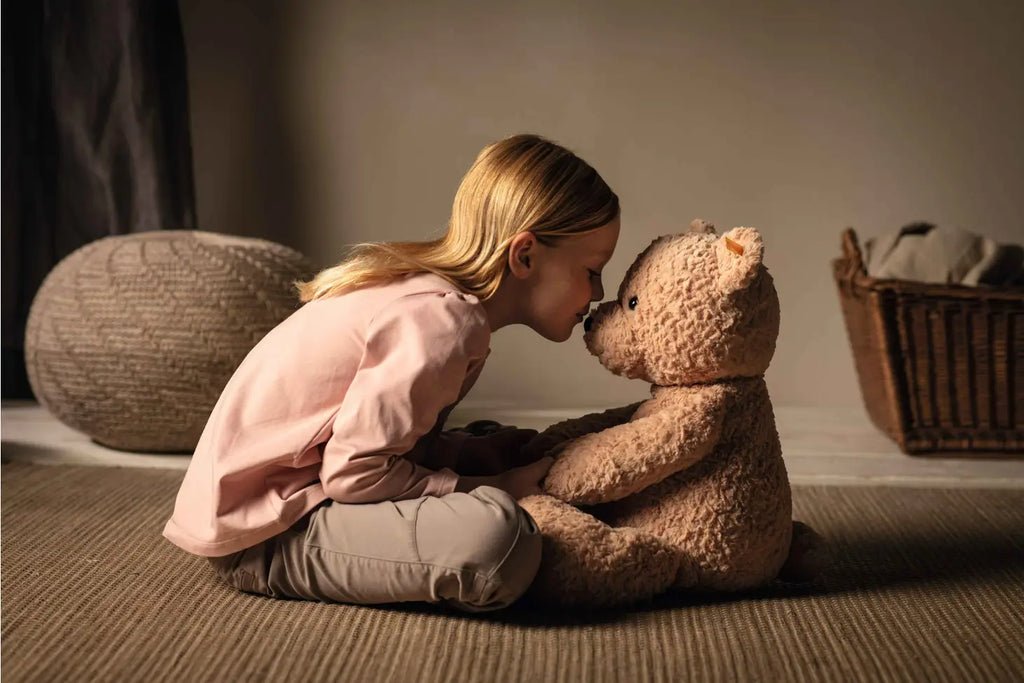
(941, 367)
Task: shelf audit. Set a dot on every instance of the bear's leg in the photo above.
(586, 562)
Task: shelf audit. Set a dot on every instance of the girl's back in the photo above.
(316, 383)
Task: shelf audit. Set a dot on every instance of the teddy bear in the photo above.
(686, 490)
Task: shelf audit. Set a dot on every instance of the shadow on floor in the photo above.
(863, 563)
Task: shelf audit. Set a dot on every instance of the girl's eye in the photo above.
(632, 303)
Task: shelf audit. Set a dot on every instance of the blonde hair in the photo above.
(521, 183)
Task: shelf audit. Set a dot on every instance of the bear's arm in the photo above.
(614, 463)
(576, 427)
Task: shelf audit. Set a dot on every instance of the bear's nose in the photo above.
(588, 323)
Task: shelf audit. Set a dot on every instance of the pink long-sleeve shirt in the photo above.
(345, 400)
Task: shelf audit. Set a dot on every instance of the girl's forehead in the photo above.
(590, 245)
(599, 243)
(603, 240)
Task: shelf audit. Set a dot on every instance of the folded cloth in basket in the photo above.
(926, 253)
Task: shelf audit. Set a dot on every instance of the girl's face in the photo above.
(567, 279)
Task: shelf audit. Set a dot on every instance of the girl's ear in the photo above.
(520, 254)
(739, 253)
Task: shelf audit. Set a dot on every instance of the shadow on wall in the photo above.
(248, 178)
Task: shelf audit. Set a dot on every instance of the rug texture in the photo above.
(929, 586)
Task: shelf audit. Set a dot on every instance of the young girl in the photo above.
(323, 472)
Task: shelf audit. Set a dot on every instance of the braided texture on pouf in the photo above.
(131, 338)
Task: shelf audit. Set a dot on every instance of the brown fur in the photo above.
(687, 489)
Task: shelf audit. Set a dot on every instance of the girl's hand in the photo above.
(524, 481)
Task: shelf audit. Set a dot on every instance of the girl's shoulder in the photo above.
(434, 296)
(431, 311)
(421, 300)
(425, 289)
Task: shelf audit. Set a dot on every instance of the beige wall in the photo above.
(324, 123)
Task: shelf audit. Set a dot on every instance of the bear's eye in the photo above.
(632, 303)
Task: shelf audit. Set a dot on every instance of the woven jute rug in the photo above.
(929, 586)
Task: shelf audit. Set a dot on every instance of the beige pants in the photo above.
(475, 551)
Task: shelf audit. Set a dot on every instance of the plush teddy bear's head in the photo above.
(693, 308)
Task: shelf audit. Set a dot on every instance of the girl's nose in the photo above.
(588, 323)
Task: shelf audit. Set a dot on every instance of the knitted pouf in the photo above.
(131, 338)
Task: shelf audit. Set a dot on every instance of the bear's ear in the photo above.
(699, 225)
(739, 254)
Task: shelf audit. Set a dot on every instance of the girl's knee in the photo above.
(511, 561)
(509, 530)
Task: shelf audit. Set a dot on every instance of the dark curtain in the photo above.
(95, 139)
